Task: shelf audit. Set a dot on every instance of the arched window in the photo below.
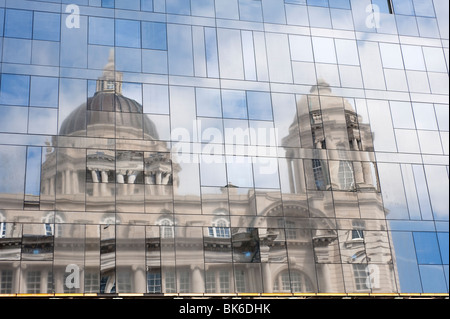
(294, 281)
(167, 229)
(220, 229)
(346, 177)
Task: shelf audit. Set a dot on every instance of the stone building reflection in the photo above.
(325, 233)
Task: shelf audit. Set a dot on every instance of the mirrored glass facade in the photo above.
(224, 146)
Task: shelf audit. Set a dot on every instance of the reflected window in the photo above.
(2, 230)
(345, 175)
(295, 282)
(358, 229)
(154, 285)
(361, 276)
(33, 282)
(319, 176)
(91, 282)
(220, 230)
(167, 229)
(6, 281)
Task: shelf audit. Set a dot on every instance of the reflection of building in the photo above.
(113, 187)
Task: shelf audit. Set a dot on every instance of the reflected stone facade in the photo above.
(245, 240)
(221, 147)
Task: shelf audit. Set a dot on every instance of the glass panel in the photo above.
(422, 192)
(248, 51)
(248, 278)
(13, 119)
(92, 259)
(433, 279)
(391, 55)
(301, 48)
(402, 115)
(190, 259)
(10, 247)
(234, 104)
(347, 52)
(424, 8)
(424, 116)
(371, 65)
(46, 26)
(319, 17)
(250, 10)
(259, 106)
(101, 31)
(403, 7)
(14, 89)
(18, 23)
(239, 171)
(381, 124)
(178, 6)
(442, 115)
(154, 36)
(128, 33)
(230, 53)
(74, 44)
(324, 50)
(38, 242)
(246, 245)
(130, 259)
(204, 8)
(274, 11)
(181, 60)
(266, 172)
(33, 174)
(434, 59)
(12, 176)
(156, 99)
(153, 259)
(208, 102)
(182, 107)
(108, 259)
(70, 179)
(438, 187)
(37, 277)
(279, 58)
(42, 121)
(427, 248)
(393, 194)
(44, 91)
(212, 170)
(69, 260)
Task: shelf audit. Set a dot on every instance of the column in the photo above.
(198, 284)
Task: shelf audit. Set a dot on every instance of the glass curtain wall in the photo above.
(224, 146)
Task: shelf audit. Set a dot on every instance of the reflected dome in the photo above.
(109, 113)
(106, 108)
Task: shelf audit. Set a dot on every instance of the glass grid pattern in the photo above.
(224, 146)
